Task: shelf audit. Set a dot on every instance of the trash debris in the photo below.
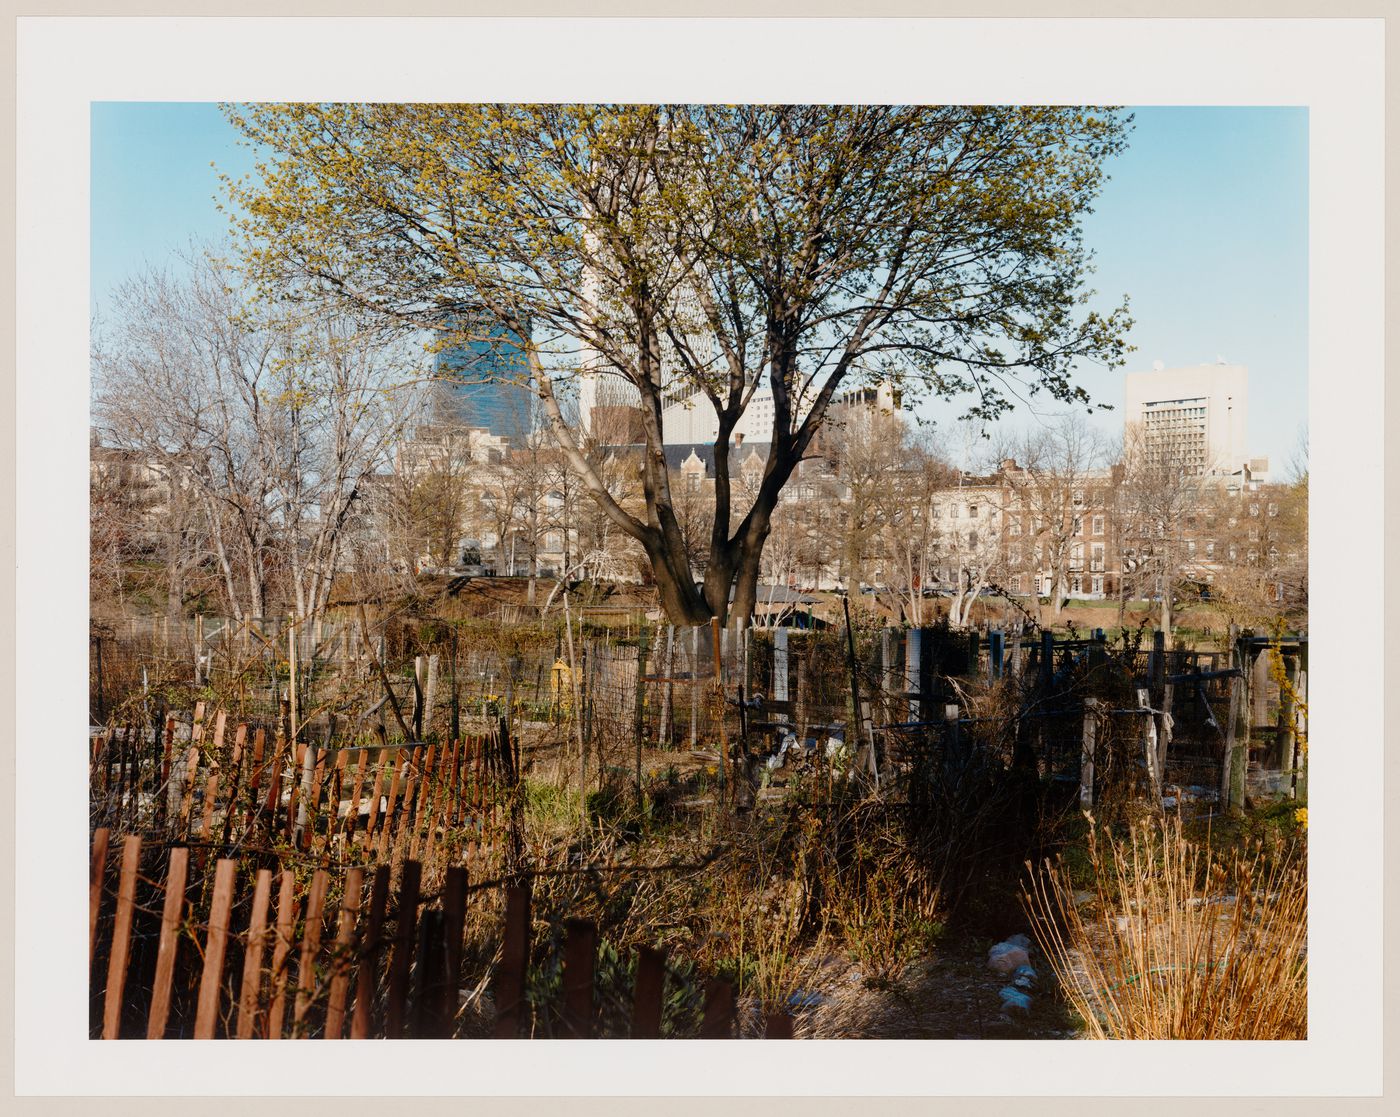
(1007, 957)
(1015, 1001)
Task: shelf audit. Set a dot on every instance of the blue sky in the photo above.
(1203, 224)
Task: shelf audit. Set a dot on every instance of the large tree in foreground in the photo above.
(716, 251)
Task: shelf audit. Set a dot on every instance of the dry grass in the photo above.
(1187, 944)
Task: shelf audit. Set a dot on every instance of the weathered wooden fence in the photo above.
(249, 952)
(235, 787)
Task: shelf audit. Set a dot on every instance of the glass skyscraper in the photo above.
(485, 372)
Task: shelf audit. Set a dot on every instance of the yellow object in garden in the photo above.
(561, 685)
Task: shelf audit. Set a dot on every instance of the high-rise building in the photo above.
(485, 371)
(1195, 416)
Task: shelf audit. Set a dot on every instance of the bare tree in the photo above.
(1050, 474)
(1159, 503)
(268, 422)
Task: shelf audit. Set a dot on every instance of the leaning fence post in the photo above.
(1086, 761)
(281, 951)
(210, 982)
(1149, 743)
(361, 1022)
(169, 942)
(403, 949)
(310, 947)
(1165, 727)
(121, 939)
(97, 873)
(430, 1019)
(340, 961)
(253, 955)
(515, 954)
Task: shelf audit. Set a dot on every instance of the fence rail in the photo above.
(346, 954)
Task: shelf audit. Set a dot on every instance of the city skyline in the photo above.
(1203, 224)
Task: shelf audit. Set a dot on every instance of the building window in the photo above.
(1254, 509)
(1014, 528)
(1273, 509)
(1098, 583)
(1210, 549)
(1190, 548)
(1076, 526)
(953, 511)
(1015, 583)
(1097, 524)
(1079, 498)
(1013, 556)
(1096, 556)
(937, 511)
(1076, 556)
(972, 511)
(1076, 584)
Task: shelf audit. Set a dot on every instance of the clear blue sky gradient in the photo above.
(1203, 224)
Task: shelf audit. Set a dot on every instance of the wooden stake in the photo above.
(403, 948)
(344, 949)
(1086, 758)
(253, 956)
(240, 741)
(454, 916)
(515, 952)
(96, 876)
(647, 994)
(169, 942)
(281, 951)
(580, 953)
(361, 1022)
(779, 1026)
(207, 1013)
(121, 939)
(310, 947)
(718, 1021)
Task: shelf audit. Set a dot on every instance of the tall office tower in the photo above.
(485, 372)
(1194, 416)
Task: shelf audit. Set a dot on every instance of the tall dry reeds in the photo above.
(1182, 943)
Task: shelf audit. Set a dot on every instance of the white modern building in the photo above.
(1198, 415)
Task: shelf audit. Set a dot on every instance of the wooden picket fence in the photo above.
(352, 802)
(313, 967)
